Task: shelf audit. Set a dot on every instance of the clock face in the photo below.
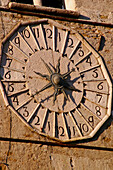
(54, 81)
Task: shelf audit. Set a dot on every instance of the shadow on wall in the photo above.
(55, 4)
(48, 3)
(23, 1)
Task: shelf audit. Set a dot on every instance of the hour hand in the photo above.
(73, 89)
(69, 87)
(44, 88)
(42, 75)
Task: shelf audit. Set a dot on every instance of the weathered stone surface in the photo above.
(4, 2)
(32, 156)
(5, 119)
(37, 2)
(70, 5)
(100, 11)
(4, 153)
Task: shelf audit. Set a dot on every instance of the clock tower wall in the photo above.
(21, 147)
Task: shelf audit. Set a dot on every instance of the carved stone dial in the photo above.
(54, 81)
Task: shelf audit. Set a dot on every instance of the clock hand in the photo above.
(48, 68)
(44, 88)
(55, 95)
(73, 89)
(65, 95)
(58, 66)
(68, 73)
(57, 92)
(69, 87)
(44, 76)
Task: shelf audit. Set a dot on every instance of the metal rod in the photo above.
(32, 8)
(68, 18)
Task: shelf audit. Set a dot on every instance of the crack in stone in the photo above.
(1, 163)
(9, 141)
(71, 163)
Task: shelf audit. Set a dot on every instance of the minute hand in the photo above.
(68, 73)
(42, 75)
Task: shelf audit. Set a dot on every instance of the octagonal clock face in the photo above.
(54, 81)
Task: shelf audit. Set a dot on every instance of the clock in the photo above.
(54, 81)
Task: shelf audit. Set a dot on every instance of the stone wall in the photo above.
(4, 2)
(23, 149)
(97, 10)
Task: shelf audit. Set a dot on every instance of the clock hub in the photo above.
(56, 80)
